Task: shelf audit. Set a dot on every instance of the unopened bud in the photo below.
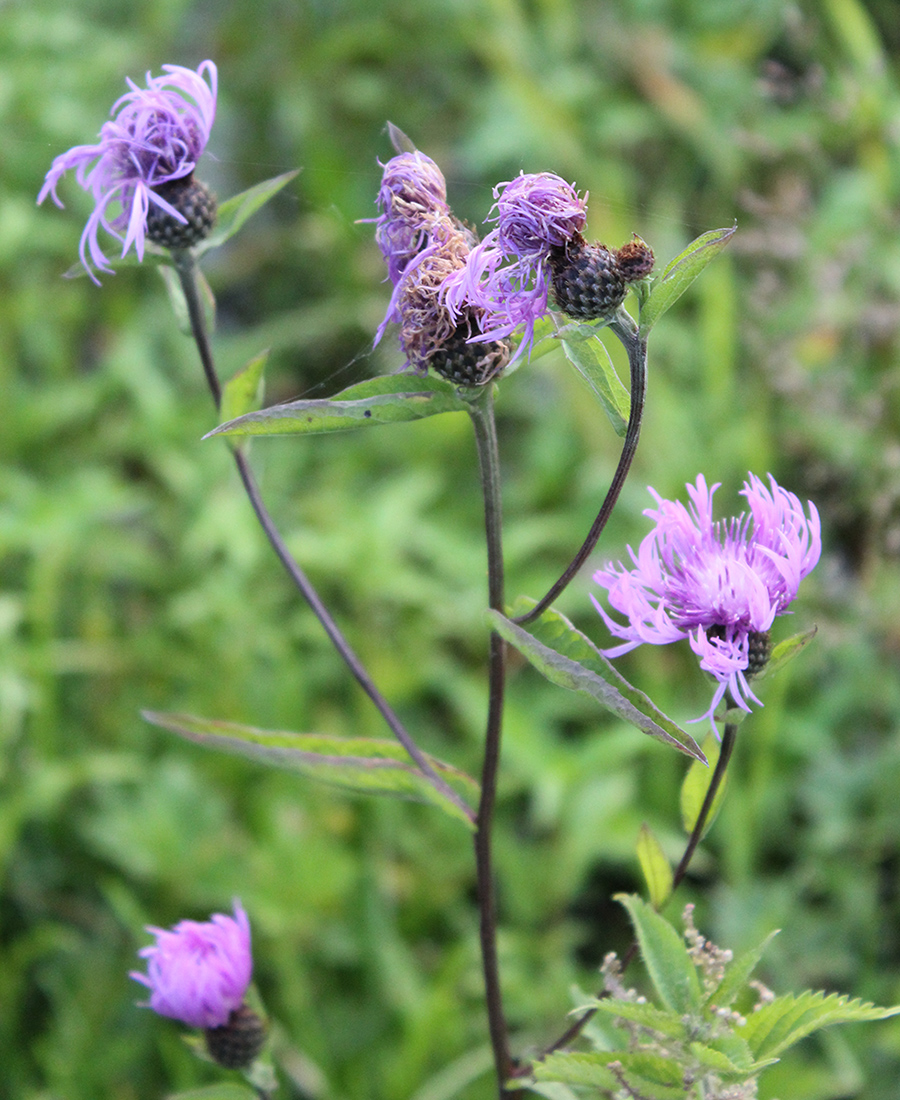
(235, 1044)
(194, 201)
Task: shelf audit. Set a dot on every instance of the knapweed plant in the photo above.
(467, 312)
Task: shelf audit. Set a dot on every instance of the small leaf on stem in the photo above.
(390, 399)
(588, 355)
(680, 273)
(235, 211)
(694, 788)
(242, 392)
(654, 865)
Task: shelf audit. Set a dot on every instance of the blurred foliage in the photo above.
(132, 576)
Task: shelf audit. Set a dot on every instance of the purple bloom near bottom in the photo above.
(198, 972)
(719, 584)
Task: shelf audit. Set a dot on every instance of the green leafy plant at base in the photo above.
(707, 1032)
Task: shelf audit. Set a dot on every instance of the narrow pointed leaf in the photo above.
(696, 784)
(588, 355)
(177, 299)
(233, 212)
(651, 1076)
(669, 1024)
(665, 955)
(654, 865)
(361, 764)
(391, 399)
(778, 1025)
(680, 273)
(786, 651)
(737, 974)
(568, 658)
(242, 392)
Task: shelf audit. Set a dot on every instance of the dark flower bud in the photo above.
(469, 364)
(759, 650)
(193, 201)
(634, 260)
(236, 1043)
(587, 283)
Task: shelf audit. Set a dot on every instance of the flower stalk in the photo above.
(186, 267)
(481, 410)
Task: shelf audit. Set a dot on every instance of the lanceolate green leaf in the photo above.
(737, 974)
(786, 651)
(179, 304)
(654, 865)
(670, 1024)
(665, 955)
(390, 399)
(361, 764)
(778, 1025)
(233, 212)
(567, 658)
(680, 273)
(588, 355)
(696, 784)
(223, 1091)
(242, 392)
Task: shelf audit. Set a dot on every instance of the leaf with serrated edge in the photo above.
(390, 399)
(775, 1026)
(591, 359)
(361, 764)
(233, 212)
(696, 784)
(242, 392)
(654, 865)
(665, 956)
(568, 658)
(654, 1077)
(737, 974)
(680, 273)
(669, 1024)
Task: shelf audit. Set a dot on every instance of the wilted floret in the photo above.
(718, 584)
(412, 197)
(424, 244)
(508, 274)
(198, 972)
(157, 136)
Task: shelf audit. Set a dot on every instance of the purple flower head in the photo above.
(720, 584)
(198, 972)
(157, 135)
(413, 196)
(508, 275)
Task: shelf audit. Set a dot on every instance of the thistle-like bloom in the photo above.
(508, 274)
(198, 972)
(424, 244)
(156, 136)
(720, 584)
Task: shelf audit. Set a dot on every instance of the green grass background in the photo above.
(131, 573)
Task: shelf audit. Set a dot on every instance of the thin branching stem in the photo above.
(627, 331)
(482, 413)
(185, 265)
(729, 738)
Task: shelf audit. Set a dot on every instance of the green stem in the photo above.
(186, 266)
(627, 331)
(482, 412)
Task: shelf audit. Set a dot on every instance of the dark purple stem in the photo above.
(482, 412)
(185, 265)
(729, 738)
(636, 346)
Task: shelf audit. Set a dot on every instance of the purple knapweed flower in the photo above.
(508, 274)
(199, 971)
(157, 136)
(412, 197)
(720, 584)
(424, 244)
